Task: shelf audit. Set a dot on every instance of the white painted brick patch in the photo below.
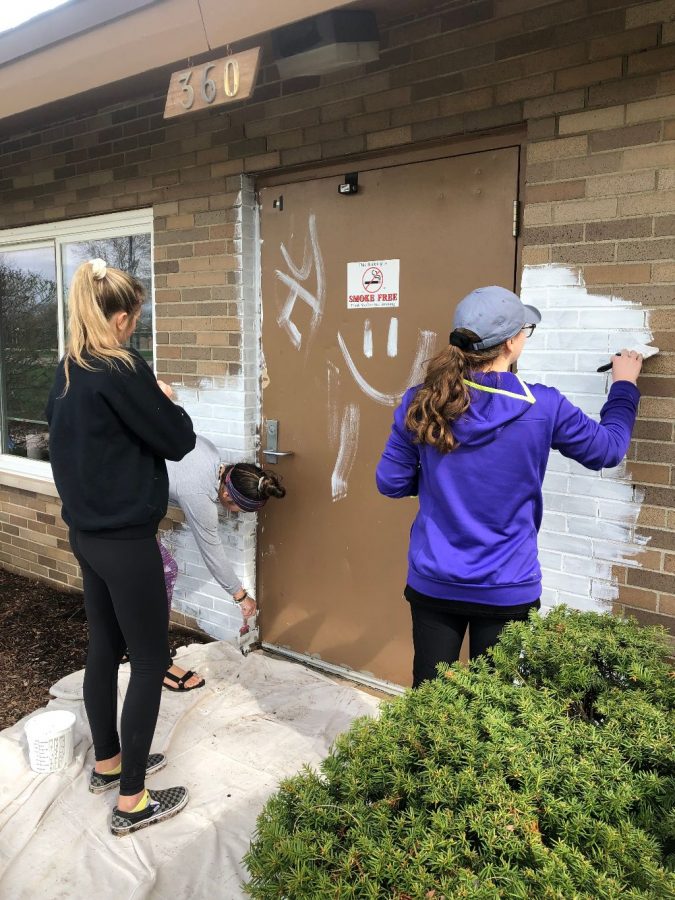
(590, 517)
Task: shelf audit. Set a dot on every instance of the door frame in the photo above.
(462, 146)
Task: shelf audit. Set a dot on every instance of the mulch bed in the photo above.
(43, 636)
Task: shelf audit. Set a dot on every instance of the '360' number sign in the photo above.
(212, 84)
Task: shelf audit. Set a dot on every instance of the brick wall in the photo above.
(599, 198)
(223, 407)
(34, 537)
(591, 80)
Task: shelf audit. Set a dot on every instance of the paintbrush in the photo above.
(249, 635)
(645, 351)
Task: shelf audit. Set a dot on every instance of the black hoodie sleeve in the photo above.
(143, 407)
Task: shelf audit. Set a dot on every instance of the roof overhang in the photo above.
(89, 44)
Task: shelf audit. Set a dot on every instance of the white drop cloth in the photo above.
(258, 720)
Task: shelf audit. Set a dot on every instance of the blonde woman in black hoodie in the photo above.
(112, 426)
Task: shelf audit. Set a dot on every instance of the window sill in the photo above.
(34, 475)
(27, 475)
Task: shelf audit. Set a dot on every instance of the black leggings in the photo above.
(126, 606)
(438, 636)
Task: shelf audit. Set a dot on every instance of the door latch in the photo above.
(272, 454)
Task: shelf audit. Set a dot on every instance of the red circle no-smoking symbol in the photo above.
(372, 279)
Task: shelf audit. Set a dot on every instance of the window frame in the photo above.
(56, 234)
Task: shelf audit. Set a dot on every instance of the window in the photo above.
(131, 253)
(36, 268)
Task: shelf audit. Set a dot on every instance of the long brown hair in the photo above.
(96, 293)
(444, 396)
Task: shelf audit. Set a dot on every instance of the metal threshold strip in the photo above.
(386, 687)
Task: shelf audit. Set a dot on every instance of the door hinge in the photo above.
(516, 218)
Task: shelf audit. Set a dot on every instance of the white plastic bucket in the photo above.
(50, 740)
(36, 445)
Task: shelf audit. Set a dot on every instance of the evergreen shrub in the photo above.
(543, 770)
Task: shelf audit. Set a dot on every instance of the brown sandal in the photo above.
(180, 682)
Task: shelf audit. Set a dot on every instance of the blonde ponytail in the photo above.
(444, 396)
(98, 292)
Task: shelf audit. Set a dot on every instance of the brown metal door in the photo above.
(332, 555)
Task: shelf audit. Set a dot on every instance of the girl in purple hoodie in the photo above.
(472, 442)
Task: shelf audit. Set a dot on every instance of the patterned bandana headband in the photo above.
(244, 503)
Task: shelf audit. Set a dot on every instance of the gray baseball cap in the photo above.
(494, 314)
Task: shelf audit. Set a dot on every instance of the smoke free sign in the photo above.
(373, 284)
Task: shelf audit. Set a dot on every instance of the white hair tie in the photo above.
(99, 268)
(261, 481)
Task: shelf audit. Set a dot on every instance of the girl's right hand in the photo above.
(627, 366)
(248, 608)
(165, 388)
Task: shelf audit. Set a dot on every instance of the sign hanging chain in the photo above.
(201, 14)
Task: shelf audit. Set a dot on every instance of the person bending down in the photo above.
(199, 484)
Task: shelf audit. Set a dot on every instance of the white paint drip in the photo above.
(333, 380)
(425, 346)
(349, 444)
(590, 518)
(312, 258)
(367, 339)
(392, 338)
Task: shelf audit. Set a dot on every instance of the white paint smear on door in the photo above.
(297, 290)
(425, 347)
(333, 387)
(349, 445)
(590, 518)
(392, 338)
(367, 339)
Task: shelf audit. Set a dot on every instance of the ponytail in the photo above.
(98, 292)
(269, 485)
(444, 396)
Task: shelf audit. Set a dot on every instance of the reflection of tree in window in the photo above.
(29, 346)
(131, 254)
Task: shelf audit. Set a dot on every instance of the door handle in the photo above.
(272, 454)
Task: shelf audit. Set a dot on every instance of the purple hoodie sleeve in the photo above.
(597, 445)
(397, 470)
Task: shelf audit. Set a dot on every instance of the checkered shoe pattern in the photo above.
(99, 783)
(163, 805)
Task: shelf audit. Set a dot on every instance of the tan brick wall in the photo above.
(34, 541)
(34, 538)
(591, 79)
(197, 277)
(598, 197)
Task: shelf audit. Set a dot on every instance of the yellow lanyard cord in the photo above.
(528, 398)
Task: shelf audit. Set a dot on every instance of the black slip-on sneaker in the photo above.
(163, 805)
(100, 783)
